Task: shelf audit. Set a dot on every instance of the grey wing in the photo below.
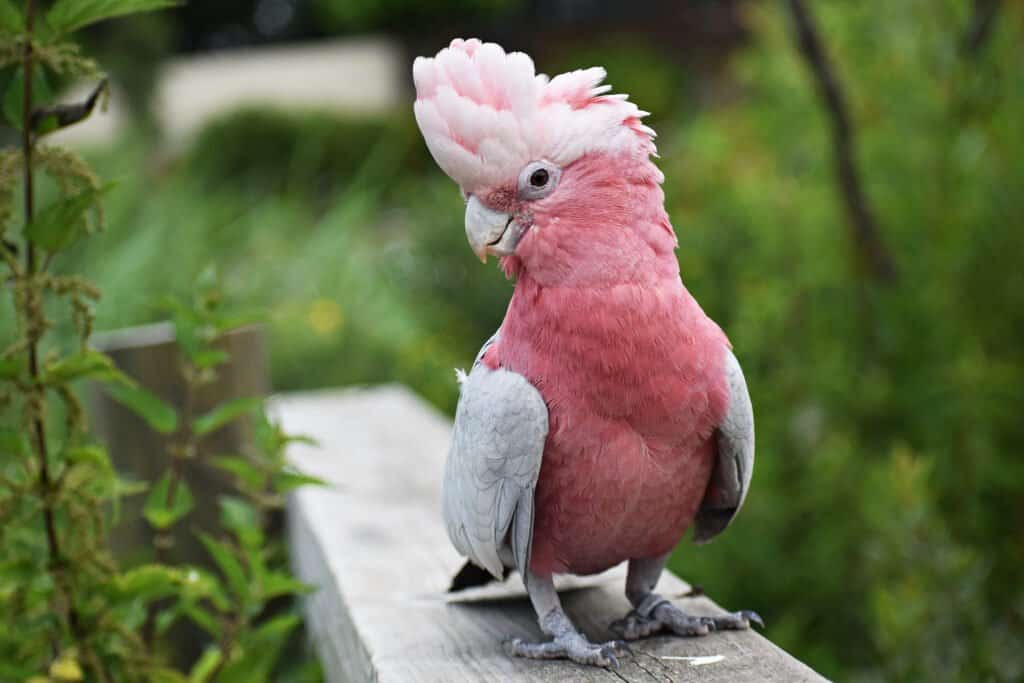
(501, 424)
(734, 462)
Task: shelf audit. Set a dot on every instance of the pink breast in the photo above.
(633, 378)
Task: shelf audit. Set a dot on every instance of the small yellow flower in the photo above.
(66, 668)
(325, 316)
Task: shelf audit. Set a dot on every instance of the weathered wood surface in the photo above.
(375, 546)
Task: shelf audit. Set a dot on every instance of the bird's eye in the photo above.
(538, 179)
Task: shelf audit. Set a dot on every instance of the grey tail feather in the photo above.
(472, 576)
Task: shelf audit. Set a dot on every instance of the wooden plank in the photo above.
(375, 546)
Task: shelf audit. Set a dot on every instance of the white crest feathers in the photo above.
(485, 114)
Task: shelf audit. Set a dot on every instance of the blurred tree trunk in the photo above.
(858, 209)
(980, 28)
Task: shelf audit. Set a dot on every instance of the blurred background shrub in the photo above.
(884, 538)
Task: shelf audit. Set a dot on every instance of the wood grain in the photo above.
(374, 544)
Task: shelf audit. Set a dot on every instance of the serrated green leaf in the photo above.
(287, 481)
(62, 223)
(249, 476)
(239, 517)
(206, 665)
(162, 512)
(280, 583)
(149, 582)
(210, 358)
(225, 413)
(200, 584)
(277, 627)
(68, 16)
(237, 513)
(83, 364)
(157, 414)
(11, 20)
(224, 557)
(130, 487)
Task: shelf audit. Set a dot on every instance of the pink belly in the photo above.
(614, 495)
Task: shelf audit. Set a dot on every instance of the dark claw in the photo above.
(710, 623)
(622, 646)
(609, 654)
(752, 617)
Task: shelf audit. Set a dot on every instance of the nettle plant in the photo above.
(68, 610)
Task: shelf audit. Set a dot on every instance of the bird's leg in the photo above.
(652, 613)
(567, 642)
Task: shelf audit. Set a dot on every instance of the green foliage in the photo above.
(879, 539)
(70, 611)
(309, 155)
(157, 414)
(226, 412)
(58, 225)
(401, 15)
(68, 16)
(166, 507)
(11, 20)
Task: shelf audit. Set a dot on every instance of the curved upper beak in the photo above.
(489, 231)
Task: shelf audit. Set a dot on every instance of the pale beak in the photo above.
(489, 231)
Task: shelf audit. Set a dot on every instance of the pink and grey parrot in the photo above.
(608, 413)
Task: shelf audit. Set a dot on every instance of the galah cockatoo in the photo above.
(608, 413)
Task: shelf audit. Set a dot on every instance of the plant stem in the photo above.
(34, 330)
(860, 213)
(186, 437)
(184, 444)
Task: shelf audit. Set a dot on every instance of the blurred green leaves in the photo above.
(157, 414)
(226, 412)
(62, 223)
(68, 16)
(11, 20)
(163, 510)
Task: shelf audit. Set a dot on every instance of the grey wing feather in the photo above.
(734, 462)
(501, 424)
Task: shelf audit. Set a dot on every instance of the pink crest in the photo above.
(485, 114)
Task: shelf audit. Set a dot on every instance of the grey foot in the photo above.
(571, 646)
(654, 616)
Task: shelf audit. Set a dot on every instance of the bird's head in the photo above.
(554, 171)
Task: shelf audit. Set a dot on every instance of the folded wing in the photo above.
(734, 463)
(501, 424)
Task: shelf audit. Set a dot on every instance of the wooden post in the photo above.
(374, 545)
(149, 355)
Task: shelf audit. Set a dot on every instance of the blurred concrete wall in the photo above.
(357, 75)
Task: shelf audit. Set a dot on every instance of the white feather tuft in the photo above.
(485, 114)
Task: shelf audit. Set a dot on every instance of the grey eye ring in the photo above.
(538, 179)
